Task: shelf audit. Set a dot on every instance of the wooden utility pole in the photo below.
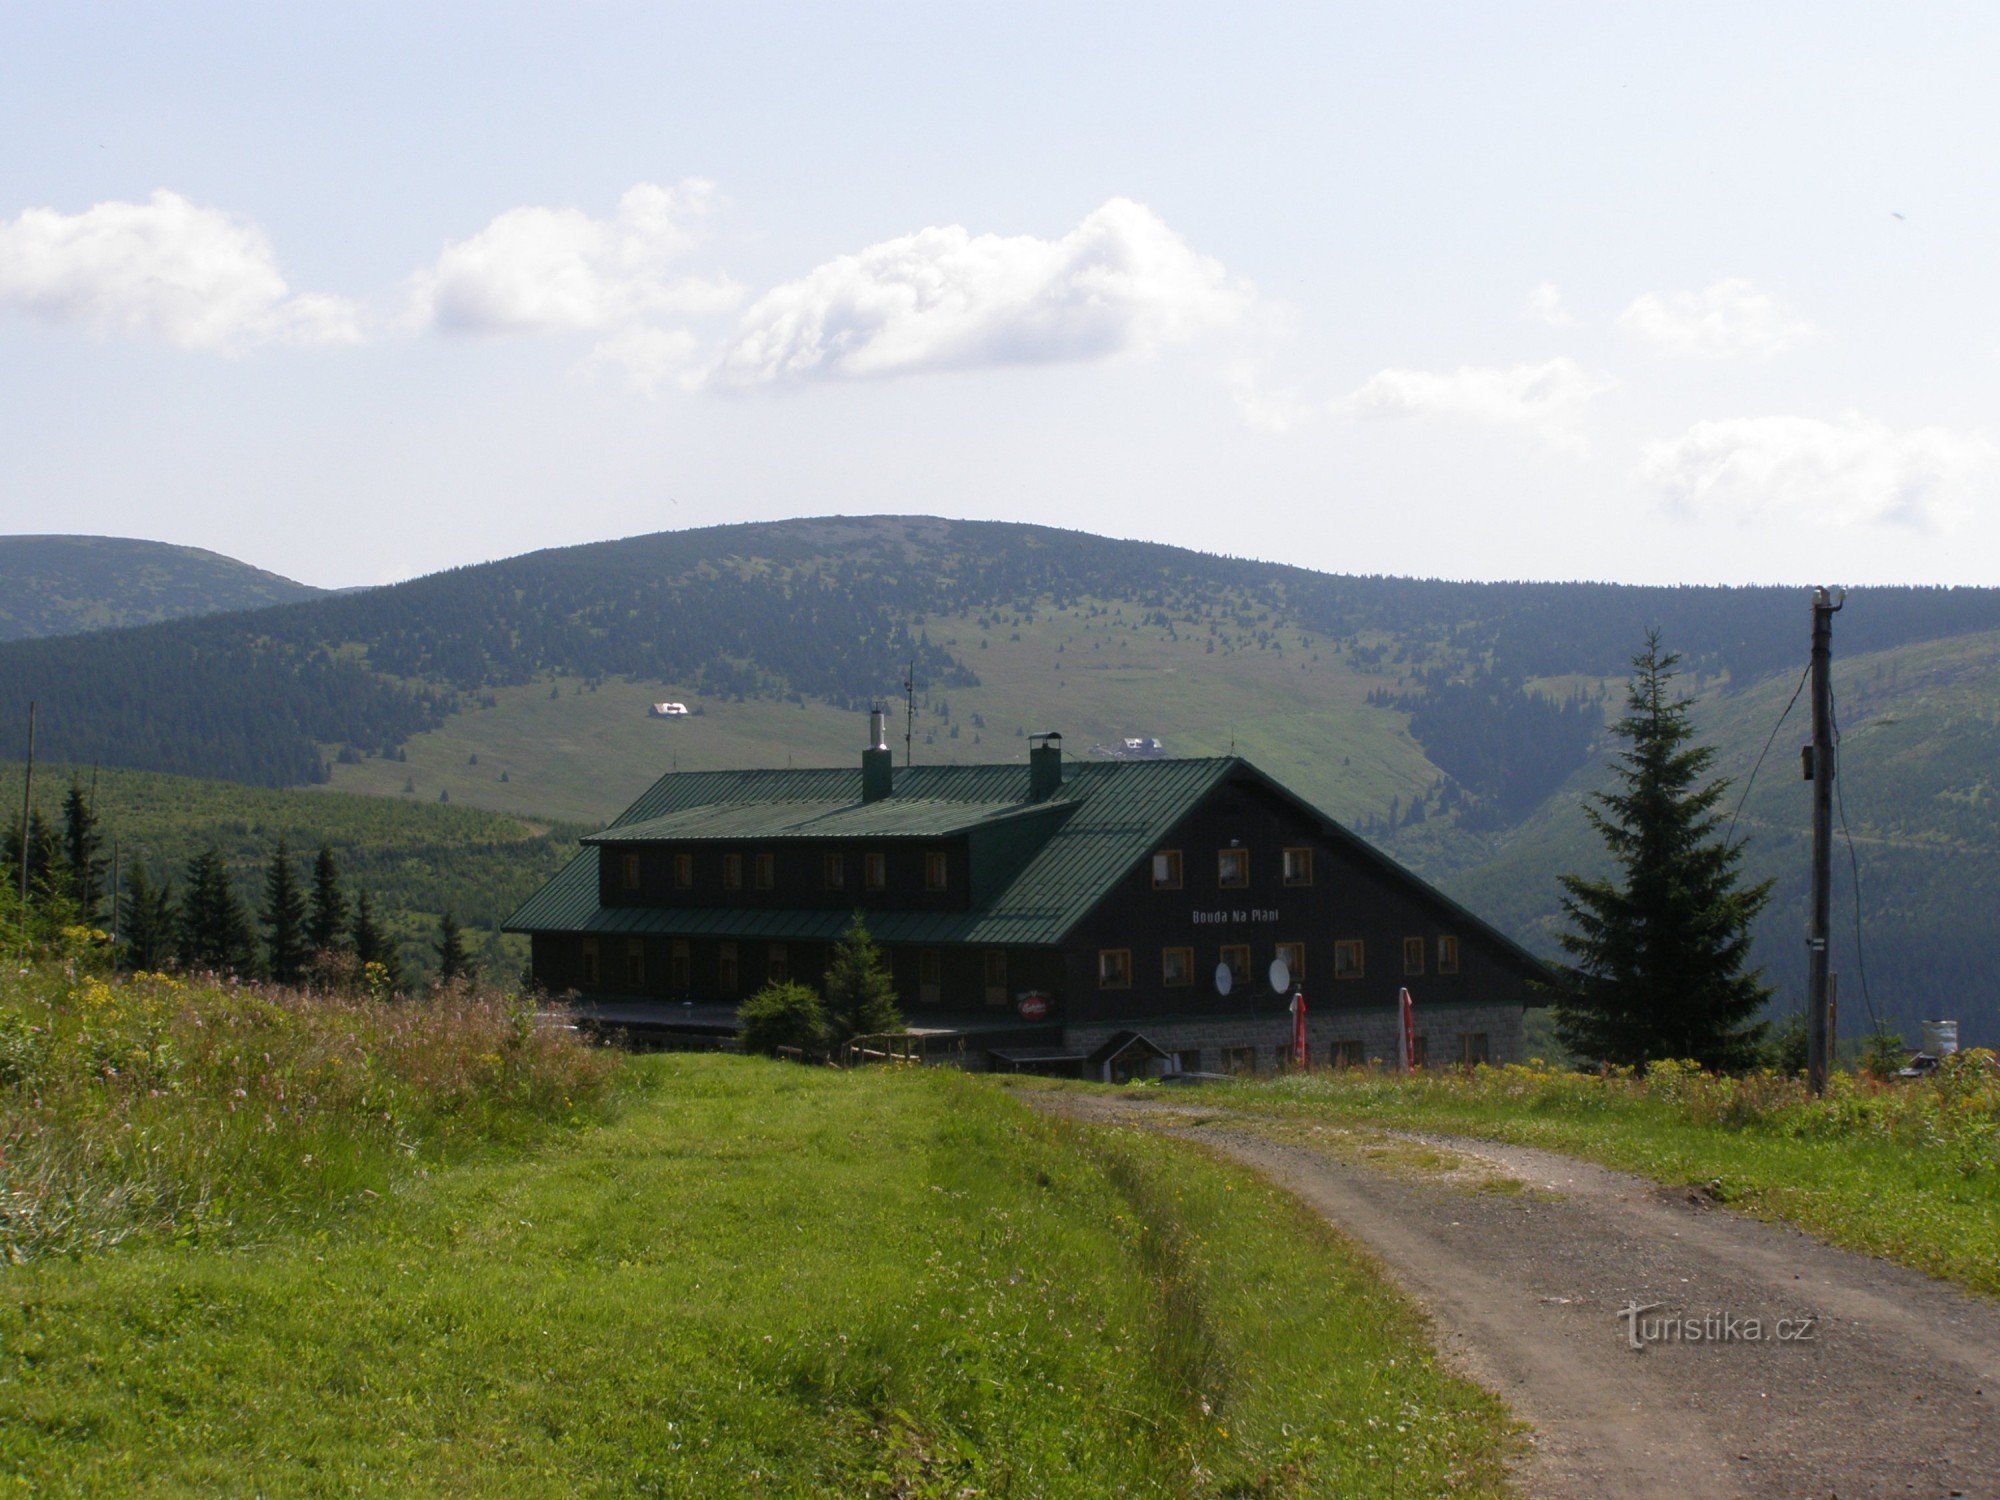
(1821, 769)
(27, 811)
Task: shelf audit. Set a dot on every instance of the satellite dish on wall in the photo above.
(1222, 979)
(1281, 975)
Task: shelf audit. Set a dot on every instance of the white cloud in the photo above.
(557, 270)
(651, 358)
(1548, 399)
(1545, 305)
(1729, 320)
(1849, 472)
(1267, 408)
(946, 299)
(166, 268)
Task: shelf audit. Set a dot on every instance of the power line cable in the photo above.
(1853, 864)
(1730, 838)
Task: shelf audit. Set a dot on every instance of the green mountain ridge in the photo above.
(1458, 723)
(64, 585)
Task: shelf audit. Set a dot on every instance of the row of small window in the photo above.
(1350, 961)
(777, 967)
(1473, 1047)
(1232, 869)
(764, 871)
(680, 964)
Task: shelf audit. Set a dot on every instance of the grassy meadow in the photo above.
(1292, 701)
(1909, 1170)
(753, 1278)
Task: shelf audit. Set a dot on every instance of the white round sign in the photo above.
(1281, 975)
(1222, 979)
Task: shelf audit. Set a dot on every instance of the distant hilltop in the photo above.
(64, 585)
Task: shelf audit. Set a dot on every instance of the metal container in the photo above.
(1940, 1038)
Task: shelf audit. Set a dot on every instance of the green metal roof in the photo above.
(1115, 813)
(890, 818)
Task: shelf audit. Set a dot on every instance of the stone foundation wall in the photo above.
(1219, 1045)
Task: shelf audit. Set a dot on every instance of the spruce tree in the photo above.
(454, 958)
(372, 945)
(285, 950)
(1660, 953)
(46, 869)
(326, 927)
(214, 934)
(83, 855)
(146, 921)
(860, 995)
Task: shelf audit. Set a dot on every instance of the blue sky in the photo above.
(1655, 293)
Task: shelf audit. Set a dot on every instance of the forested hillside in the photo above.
(415, 860)
(60, 585)
(835, 610)
(1458, 723)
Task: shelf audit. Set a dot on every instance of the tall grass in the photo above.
(189, 1109)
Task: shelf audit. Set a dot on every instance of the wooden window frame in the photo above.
(1349, 1054)
(833, 871)
(1465, 1048)
(680, 965)
(766, 871)
(1303, 853)
(993, 969)
(875, 871)
(1238, 1060)
(1343, 949)
(937, 870)
(930, 976)
(1186, 981)
(1420, 1050)
(1248, 977)
(1290, 952)
(777, 964)
(1176, 879)
(1122, 980)
(1413, 957)
(728, 969)
(1448, 953)
(732, 872)
(635, 963)
(628, 871)
(1222, 859)
(684, 872)
(587, 960)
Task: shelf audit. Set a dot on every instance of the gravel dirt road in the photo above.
(1885, 1383)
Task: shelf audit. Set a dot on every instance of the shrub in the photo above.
(783, 1015)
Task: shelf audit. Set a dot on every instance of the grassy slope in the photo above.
(1300, 712)
(1833, 1169)
(761, 1280)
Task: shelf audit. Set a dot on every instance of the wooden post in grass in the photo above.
(1822, 770)
(27, 809)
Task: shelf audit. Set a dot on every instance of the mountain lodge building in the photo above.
(1101, 918)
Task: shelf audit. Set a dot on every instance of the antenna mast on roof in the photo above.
(910, 712)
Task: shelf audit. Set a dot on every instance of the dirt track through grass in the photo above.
(1895, 1390)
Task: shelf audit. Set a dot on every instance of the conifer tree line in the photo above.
(304, 931)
